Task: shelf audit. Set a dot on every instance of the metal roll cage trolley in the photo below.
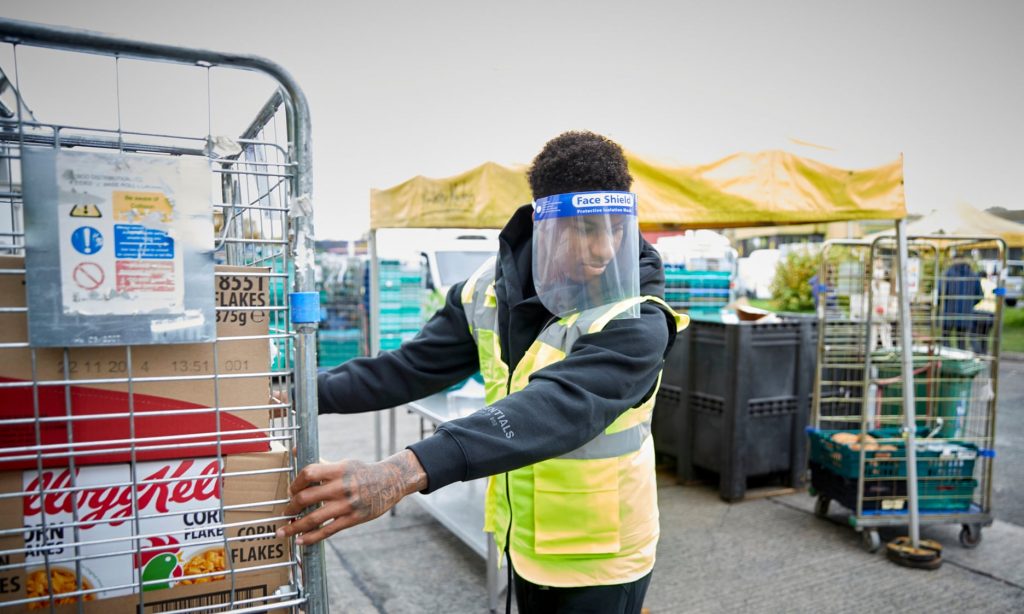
(261, 217)
(903, 425)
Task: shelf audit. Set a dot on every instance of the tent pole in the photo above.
(907, 355)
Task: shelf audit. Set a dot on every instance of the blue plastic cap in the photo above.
(987, 453)
(305, 307)
(810, 429)
(822, 288)
(999, 292)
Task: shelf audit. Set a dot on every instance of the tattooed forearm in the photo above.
(351, 492)
(412, 477)
(376, 488)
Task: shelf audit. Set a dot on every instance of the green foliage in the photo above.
(791, 288)
(1013, 329)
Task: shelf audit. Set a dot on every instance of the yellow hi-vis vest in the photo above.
(588, 517)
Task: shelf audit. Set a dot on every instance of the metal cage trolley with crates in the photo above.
(860, 434)
(157, 299)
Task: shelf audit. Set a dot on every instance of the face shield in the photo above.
(586, 251)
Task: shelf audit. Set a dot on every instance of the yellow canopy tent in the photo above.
(771, 187)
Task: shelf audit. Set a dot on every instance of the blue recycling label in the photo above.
(138, 241)
(87, 240)
(585, 203)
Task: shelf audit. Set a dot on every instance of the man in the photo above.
(569, 335)
(961, 291)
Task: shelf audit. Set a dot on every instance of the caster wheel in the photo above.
(970, 535)
(821, 506)
(870, 540)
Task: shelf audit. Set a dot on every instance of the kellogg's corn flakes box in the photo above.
(89, 535)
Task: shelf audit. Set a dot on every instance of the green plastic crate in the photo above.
(946, 393)
(953, 459)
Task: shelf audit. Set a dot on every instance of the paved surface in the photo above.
(1008, 485)
(762, 555)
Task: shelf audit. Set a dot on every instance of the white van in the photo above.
(756, 272)
(451, 260)
(1014, 281)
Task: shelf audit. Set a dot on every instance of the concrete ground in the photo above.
(761, 555)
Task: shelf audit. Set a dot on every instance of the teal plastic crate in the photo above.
(940, 458)
(947, 494)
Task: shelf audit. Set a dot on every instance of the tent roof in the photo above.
(745, 189)
(965, 221)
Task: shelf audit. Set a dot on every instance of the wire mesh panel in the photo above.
(153, 477)
(858, 445)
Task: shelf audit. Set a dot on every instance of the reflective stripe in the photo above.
(480, 302)
(490, 297)
(470, 287)
(615, 444)
(634, 416)
(620, 307)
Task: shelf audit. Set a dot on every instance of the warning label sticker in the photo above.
(88, 275)
(137, 241)
(119, 219)
(137, 206)
(86, 240)
(135, 276)
(86, 211)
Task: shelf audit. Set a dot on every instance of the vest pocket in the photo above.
(576, 506)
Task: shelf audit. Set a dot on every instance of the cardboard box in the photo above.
(160, 408)
(179, 521)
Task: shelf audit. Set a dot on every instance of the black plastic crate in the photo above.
(735, 400)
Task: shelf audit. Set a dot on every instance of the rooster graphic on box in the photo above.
(161, 560)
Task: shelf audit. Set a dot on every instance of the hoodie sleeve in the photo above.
(564, 405)
(442, 354)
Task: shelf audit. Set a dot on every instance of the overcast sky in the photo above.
(399, 89)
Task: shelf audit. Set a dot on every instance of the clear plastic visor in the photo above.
(586, 251)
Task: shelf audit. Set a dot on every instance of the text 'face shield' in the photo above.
(586, 250)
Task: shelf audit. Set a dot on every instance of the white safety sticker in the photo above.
(117, 235)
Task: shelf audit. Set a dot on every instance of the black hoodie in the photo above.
(564, 405)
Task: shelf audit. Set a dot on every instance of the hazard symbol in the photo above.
(86, 211)
(88, 275)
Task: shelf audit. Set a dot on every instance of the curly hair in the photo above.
(579, 161)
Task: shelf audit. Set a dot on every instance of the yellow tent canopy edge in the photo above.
(744, 189)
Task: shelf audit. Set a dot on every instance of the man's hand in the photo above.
(351, 491)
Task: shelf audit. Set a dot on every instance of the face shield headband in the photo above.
(586, 250)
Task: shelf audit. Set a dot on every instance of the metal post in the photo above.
(374, 317)
(907, 356)
(314, 563)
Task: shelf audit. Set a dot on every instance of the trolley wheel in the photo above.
(870, 540)
(812, 491)
(970, 535)
(821, 506)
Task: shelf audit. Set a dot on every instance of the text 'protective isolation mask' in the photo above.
(586, 251)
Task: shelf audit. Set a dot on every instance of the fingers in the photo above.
(310, 474)
(308, 497)
(312, 537)
(310, 521)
